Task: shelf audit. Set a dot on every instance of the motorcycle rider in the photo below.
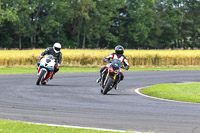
(119, 50)
(55, 51)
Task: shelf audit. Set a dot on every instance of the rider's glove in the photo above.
(57, 66)
(105, 60)
(40, 57)
(126, 67)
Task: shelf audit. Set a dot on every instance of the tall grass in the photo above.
(93, 58)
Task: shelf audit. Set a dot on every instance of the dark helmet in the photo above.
(119, 50)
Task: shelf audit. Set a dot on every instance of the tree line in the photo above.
(138, 24)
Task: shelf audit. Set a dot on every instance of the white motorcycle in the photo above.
(45, 69)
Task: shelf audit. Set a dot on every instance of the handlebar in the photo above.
(109, 61)
(123, 68)
(106, 60)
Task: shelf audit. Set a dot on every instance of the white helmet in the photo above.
(57, 47)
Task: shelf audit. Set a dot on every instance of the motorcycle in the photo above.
(45, 69)
(110, 76)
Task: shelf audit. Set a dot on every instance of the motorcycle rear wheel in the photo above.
(40, 77)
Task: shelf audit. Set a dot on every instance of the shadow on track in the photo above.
(117, 94)
(53, 85)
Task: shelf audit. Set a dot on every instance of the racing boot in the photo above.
(116, 87)
(99, 79)
(116, 84)
(43, 83)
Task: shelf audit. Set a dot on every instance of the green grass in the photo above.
(7, 126)
(187, 92)
(25, 70)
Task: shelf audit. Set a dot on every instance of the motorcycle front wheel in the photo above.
(108, 85)
(41, 76)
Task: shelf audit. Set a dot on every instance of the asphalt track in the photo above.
(75, 99)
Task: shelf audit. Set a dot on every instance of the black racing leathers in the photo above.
(57, 56)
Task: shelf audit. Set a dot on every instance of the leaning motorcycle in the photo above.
(110, 76)
(45, 69)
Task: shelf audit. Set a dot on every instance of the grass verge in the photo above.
(7, 126)
(187, 92)
(26, 70)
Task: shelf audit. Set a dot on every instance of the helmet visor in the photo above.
(120, 52)
(57, 49)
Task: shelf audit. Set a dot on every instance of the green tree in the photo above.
(79, 20)
(191, 25)
(7, 13)
(168, 18)
(105, 25)
(138, 21)
(37, 18)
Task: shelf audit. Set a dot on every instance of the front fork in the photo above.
(114, 77)
(39, 71)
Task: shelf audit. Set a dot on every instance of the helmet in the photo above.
(119, 50)
(57, 47)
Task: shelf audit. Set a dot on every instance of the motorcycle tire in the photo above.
(108, 85)
(40, 77)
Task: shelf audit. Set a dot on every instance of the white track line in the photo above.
(78, 127)
(138, 92)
